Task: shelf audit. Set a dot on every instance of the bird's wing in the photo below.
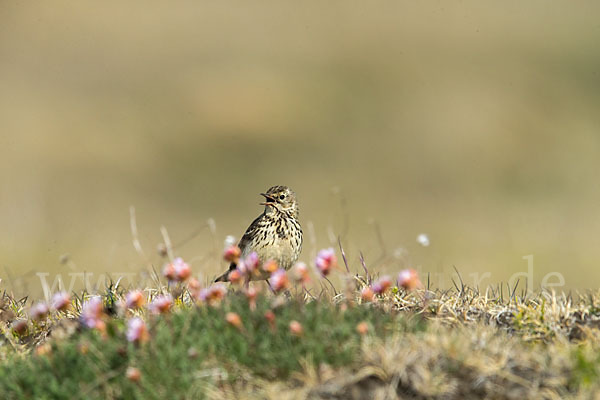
(250, 234)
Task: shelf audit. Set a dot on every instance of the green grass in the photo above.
(192, 340)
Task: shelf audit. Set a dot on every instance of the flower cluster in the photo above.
(249, 267)
(161, 304)
(232, 254)
(382, 284)
(279, 280)
(326, 261)
(61, 301)
(213, 294)
(270, 266)
(300, 273)
(133, 374)
(251, 293)
(270, 317)
(409, 279)
(234, 320)
(367, 294)
(137, 332)
(296, 328)
(39, 311)
(177, 271)
(19, 326)
(92, 314)
(134, 300)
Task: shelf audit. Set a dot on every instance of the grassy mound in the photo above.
(395, 344)
(190, 347)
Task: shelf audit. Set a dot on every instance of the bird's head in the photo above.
(281, 199)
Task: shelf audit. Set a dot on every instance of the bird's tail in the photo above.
(225, 276)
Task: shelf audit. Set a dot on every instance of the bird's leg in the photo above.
(269, 286)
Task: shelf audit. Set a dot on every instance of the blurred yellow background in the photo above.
(475, 122)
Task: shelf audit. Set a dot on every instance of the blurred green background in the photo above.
(475, 122)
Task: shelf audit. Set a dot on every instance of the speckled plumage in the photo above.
(275, 234)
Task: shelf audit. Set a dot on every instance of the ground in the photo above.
(402, 343)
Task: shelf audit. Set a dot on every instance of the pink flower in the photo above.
(296, 328)
(195, 288)
(161, 304)
(61, 301)
(235, 276)
(91, 312)
(279, 280)
(241, 267)
(362, 328)
(169, 272)
(214, 293)
(137, 331)
(100, 326)
(409, 279)
(39, 311)
(382, 284)
(134, 299)
(194, 284)
(300, 273)
(182, 269)
(326, 261)
(218, 291)
(234, 320)
(270, 266)
(251, 294)
(19, 326)
(203, 295)
(133, 374)
(252, 262)
(43, 349)
(177, 271)
(232, 254)
(270, 317)
(367, 294)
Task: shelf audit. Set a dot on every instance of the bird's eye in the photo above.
(281, 197)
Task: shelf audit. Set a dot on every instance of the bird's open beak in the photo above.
(269, 200)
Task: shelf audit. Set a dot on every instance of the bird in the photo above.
(275, 235)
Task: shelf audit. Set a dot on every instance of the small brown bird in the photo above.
(275, 235)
